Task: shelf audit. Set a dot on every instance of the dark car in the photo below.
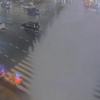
(31, 25)
(33, 11)
(5, 5)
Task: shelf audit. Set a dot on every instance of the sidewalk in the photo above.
(6, 94)
(10, 92)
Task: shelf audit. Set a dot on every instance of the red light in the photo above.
(18, 81)
(3, 74)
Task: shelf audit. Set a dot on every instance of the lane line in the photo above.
(20, 37)
(6, 56)
(13, 60)
(16, 47)
(26, 67)
(10, 44)
(24, 51)
(25, 77)
(24, 71)
(26, 40)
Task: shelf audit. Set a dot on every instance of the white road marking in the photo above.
(17, 47)
(10, 43)
(28, 58)
(13, 60)
(36, 31)
(23, 76)
(23, 82)
(25, 90)
(25, 62)
(20, 37)
(24, 51)
(0, 52)
(24, 71)
(27, 40)
(6, 56)
(26, 67)
(27, 84)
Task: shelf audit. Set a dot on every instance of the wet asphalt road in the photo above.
(16, 44)
(66, 54)
(14, 39)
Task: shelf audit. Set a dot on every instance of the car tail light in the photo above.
(34, 26)
(0, 26)
(39, 24)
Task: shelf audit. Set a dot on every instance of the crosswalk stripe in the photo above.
(25, 83)
(29, 59)
(24, 89)
(24, 66)
(25, 77)
(24, 71)
(27, 63)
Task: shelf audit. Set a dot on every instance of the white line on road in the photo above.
(13, 60)
(20, 37)
(24, 51)
(17, 47)
(23, 76)
(26, 67)
(24, 89)
(29, 59)
(27, 40)
(23, 82)
(6, 56)
(23, 70)
(27, 63)
(10, 44)
(0, 52)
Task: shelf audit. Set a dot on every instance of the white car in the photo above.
(25, 6)
(2, 26)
